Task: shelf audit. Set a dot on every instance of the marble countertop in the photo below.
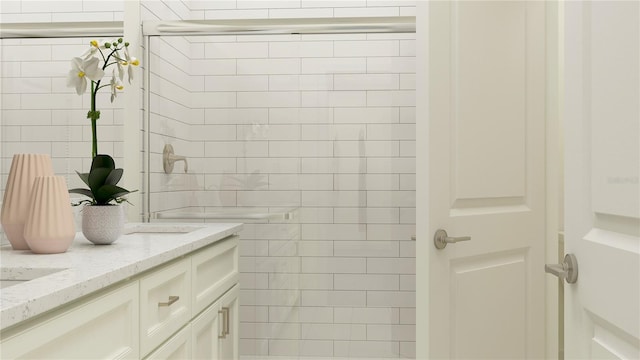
(86, 268)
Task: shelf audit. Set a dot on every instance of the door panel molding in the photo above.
(490, 85)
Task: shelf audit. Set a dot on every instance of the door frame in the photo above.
(554, 251)
(422, 180)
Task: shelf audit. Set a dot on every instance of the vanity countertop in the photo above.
(86, 268)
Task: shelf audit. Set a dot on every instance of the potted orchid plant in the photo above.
(102, 218)
(92, 65)
(102, 224)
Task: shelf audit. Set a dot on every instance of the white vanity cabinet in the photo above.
(186, 308)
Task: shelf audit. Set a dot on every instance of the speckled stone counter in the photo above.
(86, 268)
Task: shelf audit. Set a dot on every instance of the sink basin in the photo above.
(161, 229)
(10, 276)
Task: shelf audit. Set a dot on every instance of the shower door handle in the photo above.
(441, 239)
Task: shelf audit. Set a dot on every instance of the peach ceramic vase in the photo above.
(23, 172)
(49, 228)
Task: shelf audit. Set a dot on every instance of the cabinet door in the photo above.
(205, 332)
(230, 309)
(214, 333)
(102, 328)
(178, 347)
(214, 270)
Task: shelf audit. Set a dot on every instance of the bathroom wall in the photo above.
(31, 11)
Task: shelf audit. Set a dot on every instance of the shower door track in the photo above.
(346, 25)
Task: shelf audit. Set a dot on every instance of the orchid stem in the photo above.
(94, 116)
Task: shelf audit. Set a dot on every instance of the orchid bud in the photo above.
(119, 40)
(107, 45)
(126, 44)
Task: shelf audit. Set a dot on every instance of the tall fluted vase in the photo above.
(49, 228)
(15, 204)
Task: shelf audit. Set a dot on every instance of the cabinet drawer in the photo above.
(214, 271)
(165, 304)
(102, 328)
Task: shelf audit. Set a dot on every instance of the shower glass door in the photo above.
(308, 139)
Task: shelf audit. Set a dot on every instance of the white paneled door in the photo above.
(602, 157)
(485, 180)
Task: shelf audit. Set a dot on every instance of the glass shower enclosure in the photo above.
(304, 132)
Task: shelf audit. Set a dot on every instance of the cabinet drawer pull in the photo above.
(172, 299)
(225, 322)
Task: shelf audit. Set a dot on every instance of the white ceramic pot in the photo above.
(102, 224)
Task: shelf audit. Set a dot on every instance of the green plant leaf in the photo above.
(85, 192)
(102, 180)
(107, 193)
(84, 177)
(103, 161)
(121, 194)
(114, 177)
(97, 178)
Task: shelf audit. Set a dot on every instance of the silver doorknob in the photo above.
(568, 270)
(441, 239)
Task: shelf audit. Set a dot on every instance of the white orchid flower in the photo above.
(93, 49)
(129, 61)
(115, 85)
(81, 70)
(119, 64)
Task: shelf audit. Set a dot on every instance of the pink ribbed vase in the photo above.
(23, 172)
(49, 228)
